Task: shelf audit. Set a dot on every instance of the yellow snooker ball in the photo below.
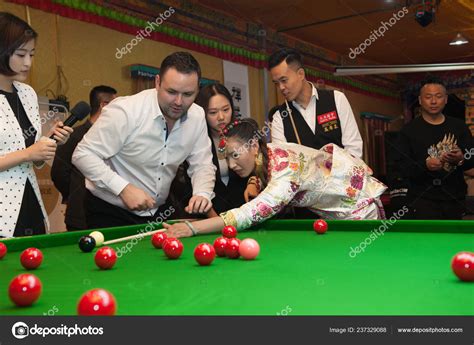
(98, 237)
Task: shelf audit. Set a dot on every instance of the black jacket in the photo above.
(69, 180)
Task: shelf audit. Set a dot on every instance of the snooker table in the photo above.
(405, 271)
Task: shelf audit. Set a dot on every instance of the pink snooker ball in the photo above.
(249, 249)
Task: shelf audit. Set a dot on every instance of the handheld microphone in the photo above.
(78, 113)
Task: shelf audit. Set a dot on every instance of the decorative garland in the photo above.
(330, 79)
(150, 72)
(451, 79)
(93, 13)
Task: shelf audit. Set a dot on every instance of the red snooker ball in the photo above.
(3, 250)
(31, 258)
(105, 258)
(24, 289)
(463, 266)
(158, 239)
(320, 226)
(232, 248)
(229, 231)
(204, 254)
(173, 248)
(219, 245)
(249, 249)
(97, 302)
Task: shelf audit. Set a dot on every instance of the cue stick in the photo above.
(149, 233)
(121, 239)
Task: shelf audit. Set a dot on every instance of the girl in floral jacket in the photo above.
(330, 181)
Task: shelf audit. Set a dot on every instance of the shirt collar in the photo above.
(156, 107)
(314, 93)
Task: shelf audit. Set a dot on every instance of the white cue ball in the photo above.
(98, 237)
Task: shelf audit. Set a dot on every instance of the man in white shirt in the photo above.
(131, 154)
(309, 116)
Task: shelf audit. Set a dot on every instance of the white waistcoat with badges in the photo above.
(13, 180)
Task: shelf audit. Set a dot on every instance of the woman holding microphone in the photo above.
(22, 211)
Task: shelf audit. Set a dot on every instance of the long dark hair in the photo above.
(211, 90)
(247, 130)
(14, 32)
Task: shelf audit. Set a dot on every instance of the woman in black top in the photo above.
(219, 109)
(229, 187)
(21, 208)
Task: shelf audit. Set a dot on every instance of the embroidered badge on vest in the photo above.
(328, 121)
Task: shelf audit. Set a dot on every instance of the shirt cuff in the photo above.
(117, 185)
(208, 196)
(229, 218)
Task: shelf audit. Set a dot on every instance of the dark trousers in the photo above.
(438, 209)
(101, 214)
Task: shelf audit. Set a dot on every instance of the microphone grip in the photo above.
(69, 122)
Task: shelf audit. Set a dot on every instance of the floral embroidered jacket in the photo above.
(330, 181)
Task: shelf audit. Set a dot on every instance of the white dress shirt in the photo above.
(128, 144)
(351, 139)
(224, 171)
